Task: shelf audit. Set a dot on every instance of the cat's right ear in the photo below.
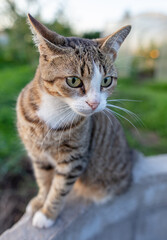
(48, 42)
(111, 44)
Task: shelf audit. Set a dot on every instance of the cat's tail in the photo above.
(147, 167)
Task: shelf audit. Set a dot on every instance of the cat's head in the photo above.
(78, 71)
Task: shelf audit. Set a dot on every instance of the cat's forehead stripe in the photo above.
(83, 68)
(86, 52)
(104, 69)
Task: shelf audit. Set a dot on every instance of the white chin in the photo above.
(85, 114)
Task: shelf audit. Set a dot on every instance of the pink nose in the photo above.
(93, 105)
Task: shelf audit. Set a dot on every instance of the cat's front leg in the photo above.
(44, 175)
(63, 180)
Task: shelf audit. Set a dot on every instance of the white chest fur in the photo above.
(54, 112)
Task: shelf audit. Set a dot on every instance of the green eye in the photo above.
(74, 82)
(106, 82)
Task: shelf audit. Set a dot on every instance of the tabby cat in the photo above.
(62, 122)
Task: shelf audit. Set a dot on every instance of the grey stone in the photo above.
(139, 214)
(152, 225)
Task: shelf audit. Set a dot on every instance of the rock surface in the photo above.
(139, 214)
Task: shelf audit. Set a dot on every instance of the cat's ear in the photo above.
(112, 43)
(47, 41)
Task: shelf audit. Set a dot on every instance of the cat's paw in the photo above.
(41, 221)
(101, 201)
(34, 205)
(29, 209)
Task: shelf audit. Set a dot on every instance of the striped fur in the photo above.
(68, 142)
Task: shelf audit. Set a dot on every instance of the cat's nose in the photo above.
(93, 105)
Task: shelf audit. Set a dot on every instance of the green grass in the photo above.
(151, 110)
(12, 80)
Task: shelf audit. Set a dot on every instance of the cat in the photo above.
(62, 122)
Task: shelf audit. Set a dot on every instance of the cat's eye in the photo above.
(106, 82)
(74, 82)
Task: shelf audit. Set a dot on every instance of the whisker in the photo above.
(73, 118)
(50, 129)
(124, 100)
(60, 110)
(105, 113)
(66, 117)
(131, 114)
(117, 114)
(62, 120)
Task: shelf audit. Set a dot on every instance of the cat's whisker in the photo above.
(50, 129)
(44, 139)
(66, 117)
(62, 107)
(123, 100)
(117, 114)
(62, 134)
(50, 118)
(105, 113)
(73, 118)
(60, 110)
(131, 114)
(62, 121)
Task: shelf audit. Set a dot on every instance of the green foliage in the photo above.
(20, 47)
(144, 62)
(151, 108)
(63, 29)
(13, 79)
(91, 35)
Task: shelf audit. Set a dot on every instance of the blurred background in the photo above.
(142, 69)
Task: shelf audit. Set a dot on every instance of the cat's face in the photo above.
(80, 72)
(83, 78)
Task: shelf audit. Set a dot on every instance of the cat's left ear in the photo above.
(47, 41)
(112, 43)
